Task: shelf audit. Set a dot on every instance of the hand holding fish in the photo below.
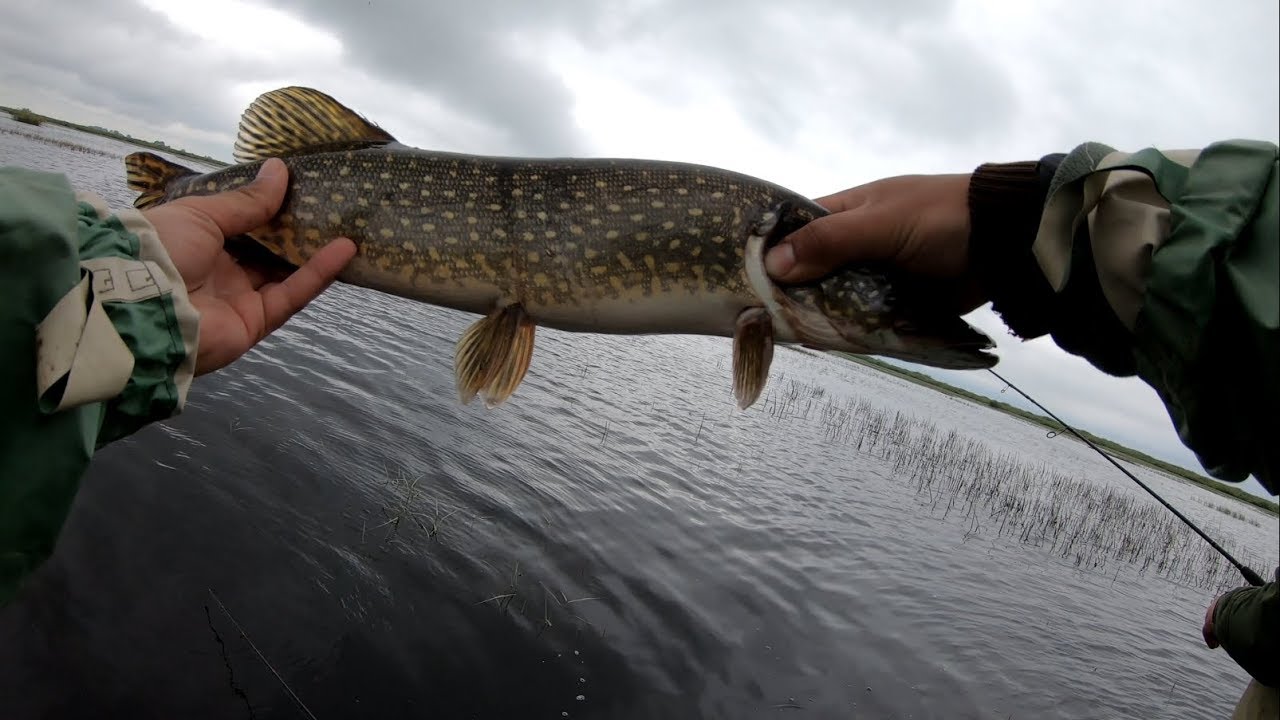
(239, 303)
(919, 223)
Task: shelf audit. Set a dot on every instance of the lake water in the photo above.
(615, 542)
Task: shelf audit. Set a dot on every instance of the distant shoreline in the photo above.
(1119, 451)
(29, 117)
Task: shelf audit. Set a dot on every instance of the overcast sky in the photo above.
(816, 95)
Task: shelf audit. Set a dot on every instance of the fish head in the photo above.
(866, 309)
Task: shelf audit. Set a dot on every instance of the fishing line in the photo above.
(262, 657)
(1249, 575)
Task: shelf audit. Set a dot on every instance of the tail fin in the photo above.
(151, 174)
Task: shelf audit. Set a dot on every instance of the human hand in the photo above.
(1210, 638)
(239, 304)
(918, 223)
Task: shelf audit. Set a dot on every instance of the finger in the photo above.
(830, 242)
(281, 302)
(245, 208)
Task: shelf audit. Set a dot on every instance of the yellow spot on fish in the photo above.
(565, 206)
(403, 186)
(499, 233)
(310, 174)
(590, 254)
(449, 193)
(449, 214)
(211, 185)
(695, 211)
(408, 246)
(614, 207)
(526, 236)
(599, 269)
(624, 261)
(494, 207)
(433, 253)
(451, 240)
(718, 269)
(589, 207)
(472, 220)
(718, 239)
(682, 191)
(642, 236)
(648, 261)
(521, 214)
(696, 251)
(516, 192)
(594, 221)
(337, 197)
(428, 227)
(362, 202)
(550, 233)
(474, 236)
(334, 218)
(611, 235)
(311, 234)
(717, 194)
(387, 232)
(344, 171)
(405, 221)
(601, 184)
(541, 279)
(575, 229)
(578, 194)
(361, 222)
(542, 215)
(533, 256)
(424, 192)
(310, 200)
(672, 268)
(384, 202)
(674, 244)
(658, 204)
(384, 175)
(668, 225)
(637, 217)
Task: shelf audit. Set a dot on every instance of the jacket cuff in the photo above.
(1005, 205)
(126, 334)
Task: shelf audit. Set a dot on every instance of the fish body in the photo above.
(587, 245)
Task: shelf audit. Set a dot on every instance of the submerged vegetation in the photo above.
(1092, 526)
(1117, 450)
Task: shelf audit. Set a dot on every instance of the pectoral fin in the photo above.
(752, 355)
(493, 356)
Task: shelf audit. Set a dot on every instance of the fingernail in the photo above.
(270, 170)
(779, 261)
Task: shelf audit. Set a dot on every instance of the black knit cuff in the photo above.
(1005, 204)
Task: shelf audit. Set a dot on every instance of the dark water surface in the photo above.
(615, 542)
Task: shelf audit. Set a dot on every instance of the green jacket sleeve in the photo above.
(1246, 622)
(97, 339)
(1160, 264)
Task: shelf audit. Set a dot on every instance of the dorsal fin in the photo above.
(292, 119)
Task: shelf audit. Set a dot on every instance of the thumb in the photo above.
(248, 207)
(830, 242)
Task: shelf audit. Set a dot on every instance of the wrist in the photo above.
(1005, 202)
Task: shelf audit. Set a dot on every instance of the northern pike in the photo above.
(596, 245)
